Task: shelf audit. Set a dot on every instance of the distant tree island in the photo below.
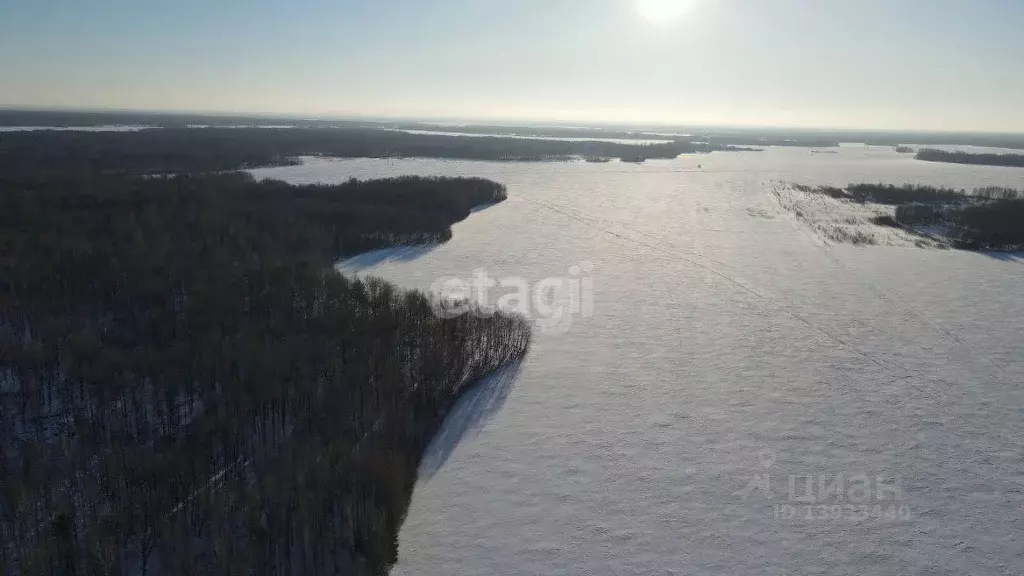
(958, 157)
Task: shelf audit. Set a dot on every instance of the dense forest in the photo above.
(166, 150)
(995, 225)
(186, 385)
(987, 218)
(892, 194)
(958, 157)
(906, 193)
(93, 118)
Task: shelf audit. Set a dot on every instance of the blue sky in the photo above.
(917, 64)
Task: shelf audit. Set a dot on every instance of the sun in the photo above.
(663, 11)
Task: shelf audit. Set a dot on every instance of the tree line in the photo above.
(891, 194)
(987, 218)
(902, 194)
(187, 387)
(959, 157)
(993, 225)
(178, 150)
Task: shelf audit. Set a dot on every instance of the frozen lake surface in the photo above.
(632, 141)
(732, 355)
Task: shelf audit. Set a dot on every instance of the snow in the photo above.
(835, 220)
(724, 336)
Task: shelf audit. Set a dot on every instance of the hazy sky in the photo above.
(928, 64)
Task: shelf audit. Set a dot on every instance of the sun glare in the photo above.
(663, 11)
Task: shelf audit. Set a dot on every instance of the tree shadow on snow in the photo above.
(482, 207)
(377, 257)
(468, 417)
(1016, 257)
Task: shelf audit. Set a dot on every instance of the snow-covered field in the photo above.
(732, 357)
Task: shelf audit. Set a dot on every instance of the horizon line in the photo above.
(485, 120)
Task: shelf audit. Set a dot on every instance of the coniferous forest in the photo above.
(204, 149)
(959, 157)
(187, 386)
